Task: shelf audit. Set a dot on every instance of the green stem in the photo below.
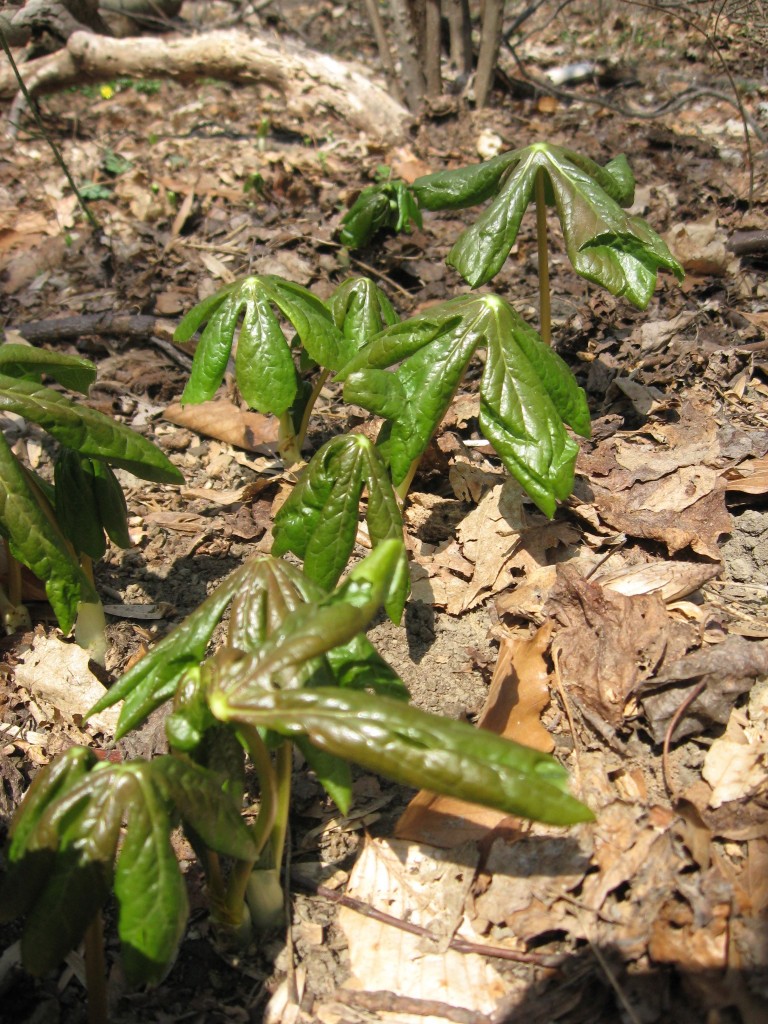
(280, 827)
(40, 124)
(301, 433)
(288, 443)
(545, 313)
(401, 491)
(14, 576)
(96, 971)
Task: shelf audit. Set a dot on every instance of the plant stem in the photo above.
(301, 433)
(401, 491)
(288, 443)
(280, 827)
(545, 314)
(96, 971)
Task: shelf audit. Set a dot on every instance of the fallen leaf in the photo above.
(58, 672)
(226, 422)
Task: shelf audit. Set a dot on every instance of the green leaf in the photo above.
(110, 500)
(76, 508)
(35, 539)
(264, 589)
(264, 366)
(28, 363)
(360, 309)
(527, 391)
(604, 244)
(28, 869)
(149, 885)
(201, 798)
(319, 520)
(87, 431)
(464, 186)
(333, 774)
(73, 819)
(389, 204)
(413, 748)
(311, 630)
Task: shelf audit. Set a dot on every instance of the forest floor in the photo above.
(629, 635)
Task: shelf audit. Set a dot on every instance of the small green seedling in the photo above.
(296, 670)
(58, 531)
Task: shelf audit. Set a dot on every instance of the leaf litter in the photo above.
(629, 628)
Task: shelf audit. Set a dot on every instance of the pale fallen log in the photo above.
(313, 85)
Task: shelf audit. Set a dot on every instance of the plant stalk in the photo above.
(301, 433)
(545, 311)
(96, 971)
(401, 491)
(288, 443)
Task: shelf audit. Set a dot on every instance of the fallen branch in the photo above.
(310, 82)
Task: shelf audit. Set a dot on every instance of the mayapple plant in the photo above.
(408, 372)
(58, 531)
(296, 670)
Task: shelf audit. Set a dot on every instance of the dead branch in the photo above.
(310, 82)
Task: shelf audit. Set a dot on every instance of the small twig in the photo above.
(390, 1002)
(90, 217)
(457, 944)
(674, 721)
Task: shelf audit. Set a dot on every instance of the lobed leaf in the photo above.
(360, 309)
(264, 366)
(527, 391)
(604, 244)
(412, 747)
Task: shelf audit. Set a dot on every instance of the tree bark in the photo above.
(490, 40)
(310, 82)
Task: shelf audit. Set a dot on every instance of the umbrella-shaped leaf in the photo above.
(318, 522)
(527, 391)
(87, 431)
(264, 366)
(604, 243)
(412, 747)
(35, 539)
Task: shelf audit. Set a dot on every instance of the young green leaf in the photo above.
(312, 630)
(35, 539)
(360, 309)
(77, 511)
(87, 431)
(526, 390)
(412, 747)
(604, 244)
(28, 363)
(319, 520)
(264, 367)
(390, 204)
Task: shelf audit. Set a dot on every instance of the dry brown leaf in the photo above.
(698, 526)
(58, 672)
(226, 422)
(751, 477)
(670, 580)
(608, 644)
(702, 247)
(427, 888)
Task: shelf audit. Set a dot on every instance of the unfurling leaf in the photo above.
(390, 204)
(526, 391)
(319, 521)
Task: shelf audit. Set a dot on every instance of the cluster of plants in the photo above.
(296, 669)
